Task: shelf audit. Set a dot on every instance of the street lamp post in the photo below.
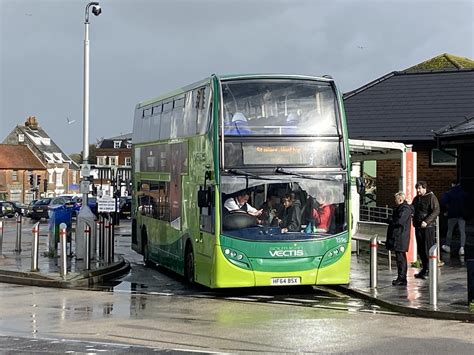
(85, 216)
(96, 10)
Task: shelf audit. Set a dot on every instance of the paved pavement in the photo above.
(412, 299)
(15, 267)
(415, 297)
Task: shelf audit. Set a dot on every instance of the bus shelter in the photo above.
(364, 150)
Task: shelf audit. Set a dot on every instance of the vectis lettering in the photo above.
(286, 253)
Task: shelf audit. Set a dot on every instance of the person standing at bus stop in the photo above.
(426, 210)
(398, 236)
(454, 202)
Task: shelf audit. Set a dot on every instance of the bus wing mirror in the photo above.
(360, 185)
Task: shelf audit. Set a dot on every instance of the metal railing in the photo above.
(375, 213)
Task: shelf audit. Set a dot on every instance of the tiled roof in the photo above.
(108, 143)
(14, 156)
(51, 152)
(407, 107)
(444, 61)
(463, 128)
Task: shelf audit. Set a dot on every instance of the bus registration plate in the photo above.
(286, 281)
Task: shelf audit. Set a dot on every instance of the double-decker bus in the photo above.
(267, 136)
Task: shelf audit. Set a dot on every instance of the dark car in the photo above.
(29, 208)
(41, 207)
(125, 206)
(19, 208)
(7, 209)
(91, 202)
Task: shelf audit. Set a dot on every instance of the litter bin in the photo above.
(58, 214)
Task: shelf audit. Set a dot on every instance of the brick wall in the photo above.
(389, 175)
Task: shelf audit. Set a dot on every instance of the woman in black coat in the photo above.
(398, 236)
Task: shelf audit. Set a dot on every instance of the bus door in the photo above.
(205, 240)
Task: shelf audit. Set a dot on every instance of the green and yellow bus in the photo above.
(269, 136)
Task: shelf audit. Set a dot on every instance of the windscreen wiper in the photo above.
(280, 170)
(243, 173)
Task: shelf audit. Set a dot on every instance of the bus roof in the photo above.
(202, 82)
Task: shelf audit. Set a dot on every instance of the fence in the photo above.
(375, 213)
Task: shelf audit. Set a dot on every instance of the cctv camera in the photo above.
(96, 10)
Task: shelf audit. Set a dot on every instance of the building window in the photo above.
(129, 145)
(101, 160)
(50, 176)
(128, 161)
(446, 157)
(117, 144)
(59, 176)
(74, 177)
(15, 175)
(113, 161)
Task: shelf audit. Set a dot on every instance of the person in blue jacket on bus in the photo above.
(238, 126)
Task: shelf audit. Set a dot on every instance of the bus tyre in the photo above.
(189, 265)
(146, 258)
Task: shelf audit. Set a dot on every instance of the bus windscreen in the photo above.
(279, 108)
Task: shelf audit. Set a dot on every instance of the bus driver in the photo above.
(239, 203)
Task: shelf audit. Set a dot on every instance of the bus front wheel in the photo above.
(189, 265)
(146, 255)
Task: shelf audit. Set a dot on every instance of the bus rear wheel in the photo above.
(189, 265)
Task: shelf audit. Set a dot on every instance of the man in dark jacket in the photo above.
(426, 209)
(291, 221)
(398, 236)
(454, 201)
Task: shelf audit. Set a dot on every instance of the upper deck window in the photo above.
(279, 108)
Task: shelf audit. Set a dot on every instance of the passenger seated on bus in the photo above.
(311, 216)
(239, 203)
(272, 210)
(325, 211)
(291, 221)
(291, 123)
(238, 126)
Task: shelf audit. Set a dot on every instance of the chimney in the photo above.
(31, 122)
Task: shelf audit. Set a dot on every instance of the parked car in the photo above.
(6, 209)
(19, 208)
(91, 202)
(41, 207)
(125, 206)
(30, 208)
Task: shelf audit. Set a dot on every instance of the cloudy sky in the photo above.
(140, 49)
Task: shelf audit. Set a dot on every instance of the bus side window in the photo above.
(190, 116)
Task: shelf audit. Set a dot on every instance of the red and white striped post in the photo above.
(1, 237)
(373, 261)
(63, 242)
(87, 237)
(107, 240)
(434, 275)
(35, 247)
(18, 234)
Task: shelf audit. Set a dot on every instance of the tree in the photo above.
(77, 157)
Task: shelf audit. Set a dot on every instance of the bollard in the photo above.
(87, 256)
(112, 241)
(35, 247)
(98, 232)
(106, 240)
(102, 237)
(18, 234)
(437, 239)
(63, 242)
(373, 261)
(434, 275)
(1, 238)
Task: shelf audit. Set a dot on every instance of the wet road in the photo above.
(151, 310)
